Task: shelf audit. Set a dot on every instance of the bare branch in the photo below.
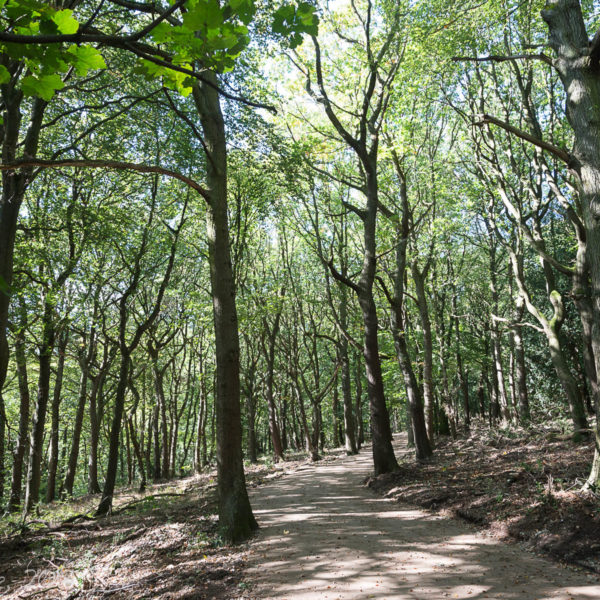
(501, 58)
(560, 153)
(105, 164)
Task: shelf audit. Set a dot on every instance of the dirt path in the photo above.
(324, 536)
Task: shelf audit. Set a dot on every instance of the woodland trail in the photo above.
(324, 536)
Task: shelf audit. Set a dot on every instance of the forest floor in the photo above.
(519, 486)
(324, 534)
(162, 543)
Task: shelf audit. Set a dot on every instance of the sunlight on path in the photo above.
(324, 536)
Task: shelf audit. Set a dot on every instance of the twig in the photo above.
(54, 587)
(110, 591)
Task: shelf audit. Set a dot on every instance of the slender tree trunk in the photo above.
(138, 453)
(270, 356)
(156, 467)
(54, 412)
(335, 409)
(200, 456)
(161, 402)
(67, 487)
(32, 490)
(413, 392)
(349, 424)
(115, 434)
(481, 395)
(93, 485)
(521, 369)
(251, 409)
(568, 382)
(428, 399)
(236, 520)
(360, 432)
(14, 502)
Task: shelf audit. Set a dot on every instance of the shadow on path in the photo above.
(324, 536)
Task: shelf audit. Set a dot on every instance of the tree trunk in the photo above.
(577, 65)
(54, 412)
(428, 399)
(270, 356)
(32, 490)
(360, 432)
(335, 409)
(413, 392)
(161, 402)
(138, 453)
(19, 454)
(93, 485)
(349, 425)
(199, 455)
(521, 370)
(251, 409)
(236, 520)
(14, 185)
(384, 460)
(67, 488)
(115, 434)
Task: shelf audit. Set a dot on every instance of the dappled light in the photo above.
(299, 299)
(325, 536)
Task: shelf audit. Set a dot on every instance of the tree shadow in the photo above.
(325, 536)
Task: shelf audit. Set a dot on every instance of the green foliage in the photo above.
(292, 20)
(46, 63)
(211, 34)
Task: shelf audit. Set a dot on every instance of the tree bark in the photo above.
(236, 520)
(54, 410)
(413, 392)
(272, 333)
(14, 186)
(577, 65)
(84, 363)
(32, 490)
(349, 422)
(428, 398)
(14, 501)
(520, 368)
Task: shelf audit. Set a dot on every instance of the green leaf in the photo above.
(295, 40)
(4, 74)
(48, 27)
(205, 14)
(86, 58)
(65, 22)
(44, 86)
(243, 9)
(162, 33)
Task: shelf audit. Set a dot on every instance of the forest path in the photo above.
(324, 536)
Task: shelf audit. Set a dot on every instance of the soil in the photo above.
(521, 487)
(160, 544)
(324, 534)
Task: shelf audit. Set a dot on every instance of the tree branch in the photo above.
(560, 153)
(341, 278)
(500, 58)
(362, 214)
(106, 164)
